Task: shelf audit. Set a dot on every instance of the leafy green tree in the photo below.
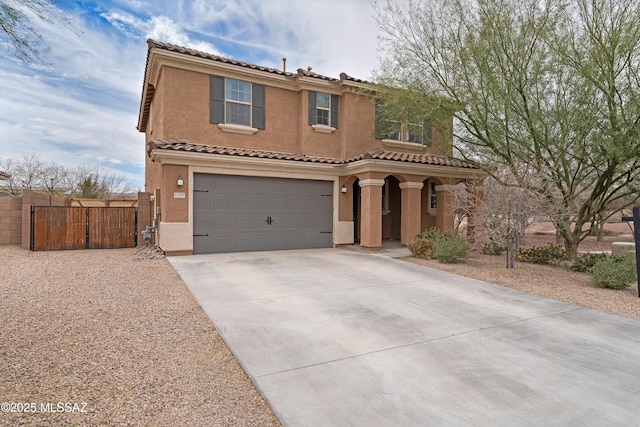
(91, 188)
(17, 30)
(550, 90)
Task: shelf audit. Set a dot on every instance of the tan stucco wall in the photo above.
(175, 238)
(175, 207)
(181, 110)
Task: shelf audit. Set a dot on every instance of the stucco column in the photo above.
(445, 215)
(344, 233)
(411, 206)
(371, 213)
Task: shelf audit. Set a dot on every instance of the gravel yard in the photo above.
(548, 281)
(119, 339)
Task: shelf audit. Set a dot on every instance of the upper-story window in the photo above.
(237, 102)
(402, 126)
(323, 109)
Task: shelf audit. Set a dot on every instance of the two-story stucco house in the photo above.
(242, 157)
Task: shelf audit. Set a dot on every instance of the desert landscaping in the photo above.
(118, 333)
(556, 282)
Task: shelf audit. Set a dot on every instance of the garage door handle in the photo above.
(326, 232)
(200, 235)
(269, 220)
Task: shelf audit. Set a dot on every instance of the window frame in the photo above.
(218, 105)
(228, 101)
(332, 115)
(432, 198)
(401, 129)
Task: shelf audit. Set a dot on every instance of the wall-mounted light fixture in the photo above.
(180, 181)
(343, 188)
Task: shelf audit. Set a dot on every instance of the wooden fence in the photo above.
(64, 227)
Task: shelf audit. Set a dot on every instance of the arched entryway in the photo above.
(375, 207)
(391, 209)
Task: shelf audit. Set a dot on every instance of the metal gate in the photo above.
(63, 227)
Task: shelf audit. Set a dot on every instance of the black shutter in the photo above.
(334, 111)
(217, 99)
(313, 115)
(258, 106)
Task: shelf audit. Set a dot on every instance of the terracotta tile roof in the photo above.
(180, 49)
(181, 145)
(345, 76)
(4, 175)
(192, 52)
(309, 73)
(427, 159)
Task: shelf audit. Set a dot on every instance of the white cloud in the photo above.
(331, 35)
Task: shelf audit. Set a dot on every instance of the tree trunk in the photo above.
(600, 233)
(571, 248)
(559, 238)
(512, 248)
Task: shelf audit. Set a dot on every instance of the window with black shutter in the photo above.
(323, 109)
(237, 102)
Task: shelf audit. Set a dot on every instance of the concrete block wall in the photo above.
(145, 217)
(10, 220)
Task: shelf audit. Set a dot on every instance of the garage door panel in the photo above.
(241, 213)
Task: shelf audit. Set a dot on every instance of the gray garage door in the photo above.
(243, 213)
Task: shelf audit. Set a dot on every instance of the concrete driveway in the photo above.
(338, 338)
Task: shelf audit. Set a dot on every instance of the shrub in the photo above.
(493, 248)
(432, 234)
(450, 249)
(614, 272)
(421, 248)
(584, 263)
(549, 254)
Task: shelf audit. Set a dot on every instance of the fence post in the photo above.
(31, 228)
(636, 237)
(135, 235)
(87, 228)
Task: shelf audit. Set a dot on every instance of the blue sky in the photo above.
(82, 107)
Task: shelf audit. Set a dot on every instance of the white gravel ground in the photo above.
(115, 338)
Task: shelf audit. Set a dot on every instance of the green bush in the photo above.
(614, 272)
(549, 254)
(421, 248)
(584, 263)
(431, 233)
(450, 249)
(493, 248)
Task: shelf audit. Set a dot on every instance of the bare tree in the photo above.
(30, 172)
(15, 26)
